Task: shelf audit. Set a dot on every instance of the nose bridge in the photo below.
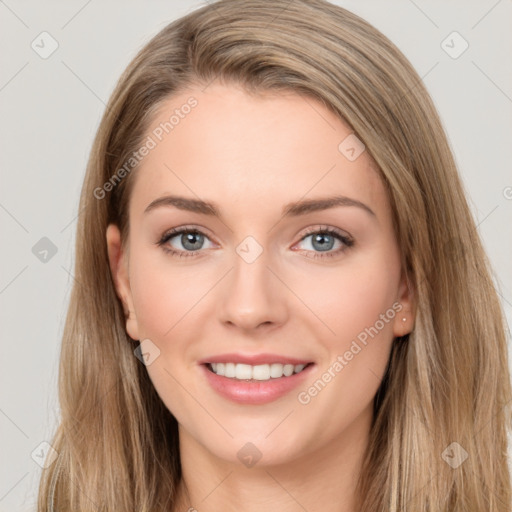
(253, 294)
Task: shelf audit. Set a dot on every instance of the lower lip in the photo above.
(254, 392)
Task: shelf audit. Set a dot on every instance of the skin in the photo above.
(251, 155)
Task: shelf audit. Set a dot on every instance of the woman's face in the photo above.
(260, 281)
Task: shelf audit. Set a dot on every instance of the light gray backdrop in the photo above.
(53, 89)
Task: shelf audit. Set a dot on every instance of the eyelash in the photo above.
(346, 240)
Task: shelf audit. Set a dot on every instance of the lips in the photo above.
(253, 391)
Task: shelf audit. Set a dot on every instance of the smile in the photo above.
(255, 384)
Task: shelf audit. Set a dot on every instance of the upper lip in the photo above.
(253, 359)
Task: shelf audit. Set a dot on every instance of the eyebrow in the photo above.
(293, 209)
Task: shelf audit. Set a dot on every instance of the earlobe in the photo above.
(119, 271)
(404, 318)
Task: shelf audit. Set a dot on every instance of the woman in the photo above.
(283, 300)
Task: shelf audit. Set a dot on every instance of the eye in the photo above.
(190, 239)
(323, 240)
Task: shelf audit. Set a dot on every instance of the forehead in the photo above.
(251, 152)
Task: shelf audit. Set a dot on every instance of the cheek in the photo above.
(166, 301)
(360, 308)
(352, 298)
(357, 304)
(164, 294)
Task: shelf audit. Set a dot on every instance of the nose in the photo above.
(253, 296)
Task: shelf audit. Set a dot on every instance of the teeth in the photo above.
(258, 372)
(230, 370)
(243, 371)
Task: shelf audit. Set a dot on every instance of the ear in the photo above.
(404, 318)
(118, 261)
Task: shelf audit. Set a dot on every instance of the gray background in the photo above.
(50, 109)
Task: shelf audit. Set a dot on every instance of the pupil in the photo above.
(189, 238)
(321, 238)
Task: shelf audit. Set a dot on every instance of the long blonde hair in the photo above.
(447, 382)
